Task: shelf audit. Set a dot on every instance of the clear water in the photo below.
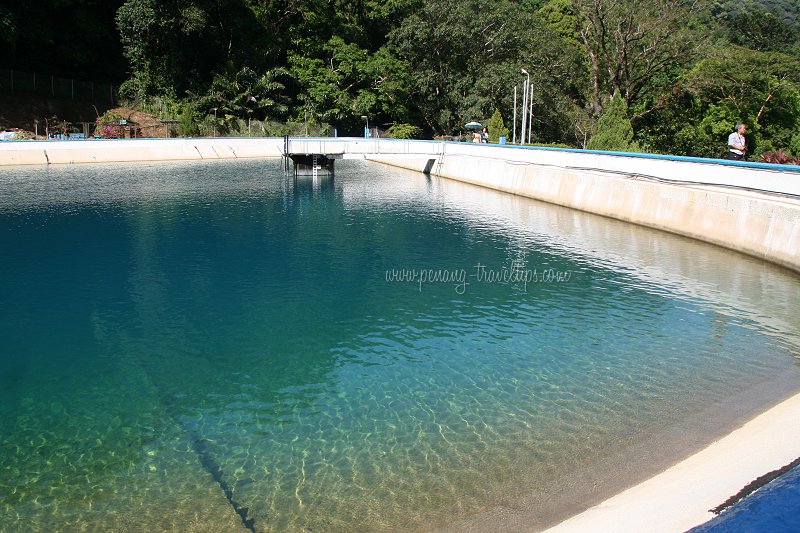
(213, 347)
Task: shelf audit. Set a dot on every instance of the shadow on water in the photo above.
(205, 455)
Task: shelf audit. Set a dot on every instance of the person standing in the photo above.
(737, 143)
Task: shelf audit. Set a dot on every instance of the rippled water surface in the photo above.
(213, 347)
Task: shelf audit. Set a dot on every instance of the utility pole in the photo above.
(514, 140)
(530, 117)
(525, 101)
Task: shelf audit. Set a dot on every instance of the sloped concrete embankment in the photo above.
(752, 209)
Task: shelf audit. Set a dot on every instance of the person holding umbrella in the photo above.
(475, 127)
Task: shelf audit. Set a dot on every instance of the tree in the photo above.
(760, 30)
(464, 58)
(634, 47)
(759, 88)
(614, 130)
(247, 94)
(179, 45)
(348, 82)
(787, 11)
(188, 122)
(8, 27)
(496, 127)
(403, 131)
(561, 16)
(732, 84)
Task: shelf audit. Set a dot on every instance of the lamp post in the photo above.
(525, 91)
(250, 100)
(215, 121)
(366, 128)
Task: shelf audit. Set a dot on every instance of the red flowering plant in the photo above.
(780, 157)
(107, 126)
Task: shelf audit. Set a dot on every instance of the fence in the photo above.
(16, 81)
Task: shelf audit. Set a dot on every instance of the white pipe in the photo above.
(514, 141)
(530, 118)
(524, 108)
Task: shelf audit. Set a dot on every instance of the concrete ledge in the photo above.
(128, 150)
(16, 155)
(782, 179)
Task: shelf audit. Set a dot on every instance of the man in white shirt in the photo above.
(737, 144)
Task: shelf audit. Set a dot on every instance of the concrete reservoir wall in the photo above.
(751, 208)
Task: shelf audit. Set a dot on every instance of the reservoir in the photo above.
(215, 346)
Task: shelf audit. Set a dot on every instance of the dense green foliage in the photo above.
(403, 131)
(787, 11)
(684, 72)
(463, 60)
(614, 130)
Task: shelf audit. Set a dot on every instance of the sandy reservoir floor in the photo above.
(680, 497)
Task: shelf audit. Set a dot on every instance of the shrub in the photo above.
(496, 127)
(780, 157)
(403, 131)
(614, 130)
(107, 126)
(188, 122)
(55, 125)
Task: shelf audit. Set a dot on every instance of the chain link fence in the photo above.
(209, 127)
(16, 81)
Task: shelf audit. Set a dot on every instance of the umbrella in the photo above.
(473, 125)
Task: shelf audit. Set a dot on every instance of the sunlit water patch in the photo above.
(215, 347)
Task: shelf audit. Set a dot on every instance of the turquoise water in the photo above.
(213, 347)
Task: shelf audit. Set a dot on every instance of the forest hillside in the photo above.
(684, 72)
